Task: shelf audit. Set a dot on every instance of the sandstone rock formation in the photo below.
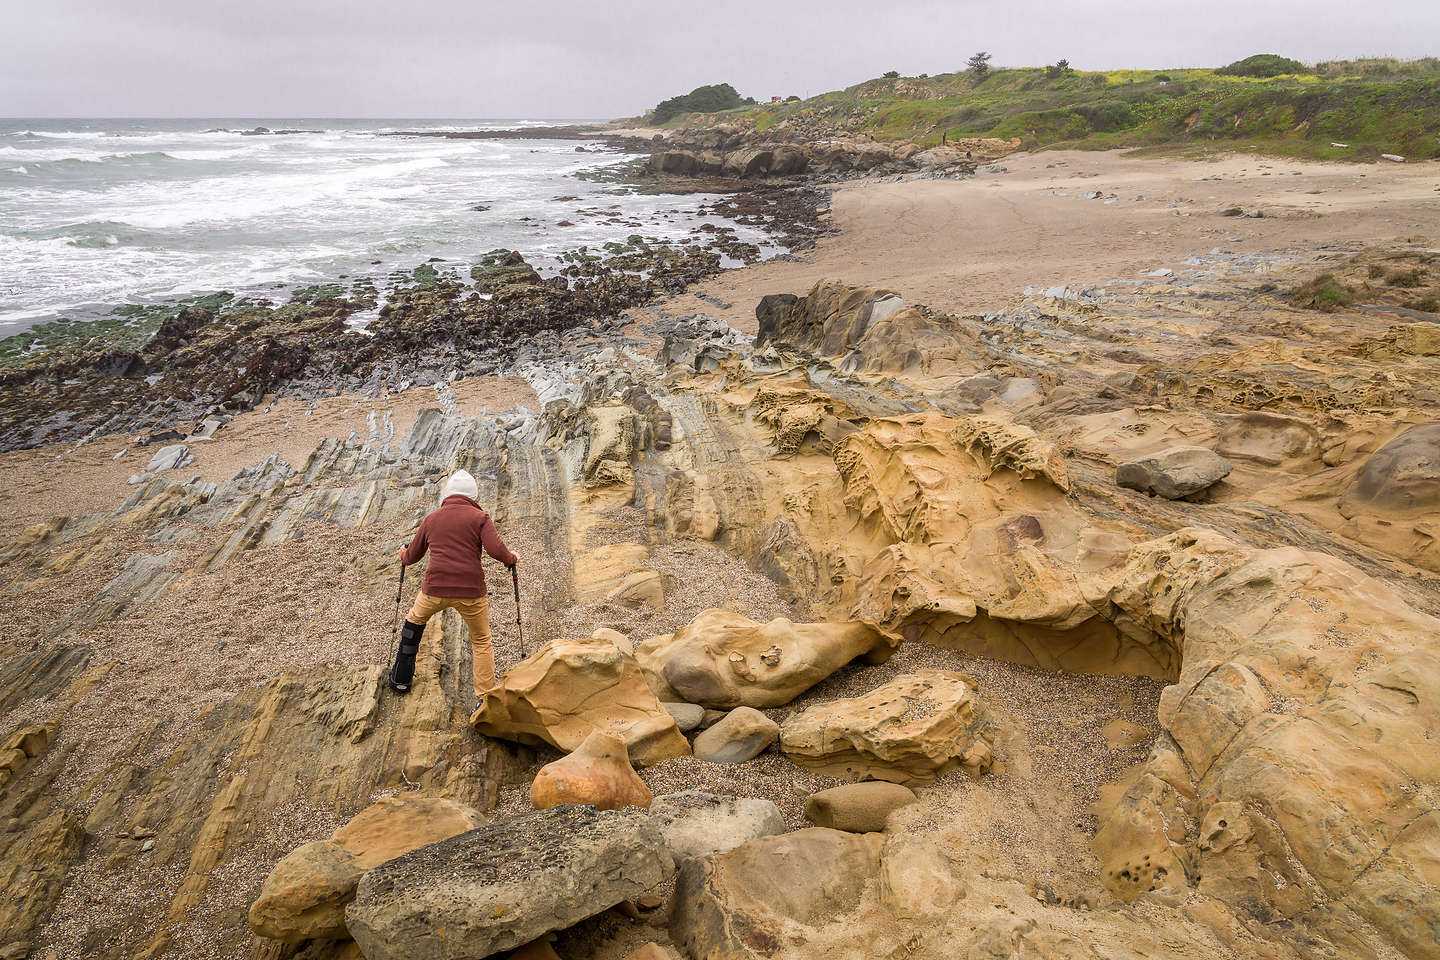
(1174, 473)
(946, 481)
(857, 807)
(723, 659)
(698, 824)
(771, 891)
(1295, 735)
(910, 730)
(305, 895)
(503, 886)
(597, 773)
(570, 688)
(742, 735)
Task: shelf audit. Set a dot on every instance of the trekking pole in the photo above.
(515, 581)
(395, 630)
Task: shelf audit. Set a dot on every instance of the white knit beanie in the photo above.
(461, 483)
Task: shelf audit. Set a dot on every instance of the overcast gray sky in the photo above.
(575, 59)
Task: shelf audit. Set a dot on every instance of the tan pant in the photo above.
(475, 611)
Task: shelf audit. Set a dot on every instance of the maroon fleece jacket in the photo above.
(454, 534)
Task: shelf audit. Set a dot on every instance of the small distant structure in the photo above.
(774, 99)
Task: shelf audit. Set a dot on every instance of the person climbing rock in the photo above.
(454, 535)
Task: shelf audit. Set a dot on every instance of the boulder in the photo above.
(172, 457)
(502, 268)
(749, 162)
(597, 772)
(742, 735)
(698, 824)
(1175, 473)
(535, 950)
(771, 891)
(857, 807)
(1402, 476)
(911, 730)
(505, 885)
(688, 716)
(679, 162)
(652, 951)
(722, 659)
(568, 689)
(304, 896)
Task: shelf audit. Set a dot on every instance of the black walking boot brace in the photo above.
(404, 670)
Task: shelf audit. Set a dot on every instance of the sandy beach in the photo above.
(969, 246)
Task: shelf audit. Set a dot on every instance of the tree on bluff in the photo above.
(707, 99)
(979, 65)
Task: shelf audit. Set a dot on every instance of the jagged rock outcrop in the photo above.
(597, 773)
(502, 886)
(722, 659)
(869, 329)
(568, 689)
(304, 897)
(911, 730)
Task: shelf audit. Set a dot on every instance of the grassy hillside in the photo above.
(1373, 106)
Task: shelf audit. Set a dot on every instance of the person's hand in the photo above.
(402, 556)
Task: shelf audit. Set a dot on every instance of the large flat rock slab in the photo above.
(502, 886)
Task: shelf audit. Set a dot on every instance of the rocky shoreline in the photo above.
(1099, 623)
(209, 360)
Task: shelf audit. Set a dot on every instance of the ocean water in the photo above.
(95, 214)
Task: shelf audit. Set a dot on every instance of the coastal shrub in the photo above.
(1324, 293)
(891, 74)
(708, 99)
(1379, 67)
(1058, 70)
(1106, 116)
(1162, 78)
(1424, 305)
(1262, 65)
(1407, 279)
(978, 65)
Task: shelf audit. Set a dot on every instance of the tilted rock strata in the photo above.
(722, 659)
(911, 730)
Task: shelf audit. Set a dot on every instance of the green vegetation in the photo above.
(1262, 65)
(1324, 293)
(711, 99)
(127, 326)
(1367, 107)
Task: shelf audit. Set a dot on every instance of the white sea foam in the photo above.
(156, 210)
